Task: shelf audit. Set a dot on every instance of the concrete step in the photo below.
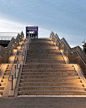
(49, 76)
(41, 43)
(7, 70)
(48, 57)
(43, 68)
(2, 84)
(43, 48)
(37, 53)
(49, 64)
(4, 80)
(9, 66)
(51, 84)
(51, 88)
(43, 51)
(7, 73)
(1, 92)
(2, 87)
(44, 55)
(37, 92)
(50, 73)
(5, 76)
(44, 42)
(44, 61)
(35, 45)
(41, 39)
(50, 80)
(48, 70)
(38, 46)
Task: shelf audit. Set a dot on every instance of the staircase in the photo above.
(4, 79)
(45, 72)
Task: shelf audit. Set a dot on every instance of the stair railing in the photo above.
(73, 55)
(5, 51)
(25, 53)
(73, 52)
(13, 76)
(10, 46)
(11, 71)
(15, 72)
(16, 66)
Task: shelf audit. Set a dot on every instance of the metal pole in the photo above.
(12, 83)
(15, 71)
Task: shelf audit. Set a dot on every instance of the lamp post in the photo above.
(84, 46)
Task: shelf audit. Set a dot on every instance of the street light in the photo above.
(84, 46)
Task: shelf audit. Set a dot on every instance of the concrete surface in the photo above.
(43, 102)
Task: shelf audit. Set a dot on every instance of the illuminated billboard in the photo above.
(32, 32)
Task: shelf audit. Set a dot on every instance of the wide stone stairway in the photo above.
(46, 73)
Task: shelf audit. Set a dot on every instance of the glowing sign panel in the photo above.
(32, 32)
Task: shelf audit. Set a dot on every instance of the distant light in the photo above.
(31, 32)
(83, 43)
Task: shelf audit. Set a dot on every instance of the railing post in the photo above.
(12, 83)
(15, 70)
(17, 66)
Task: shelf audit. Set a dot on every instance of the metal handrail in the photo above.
(80, 57)
(73, 52)
(16, 66)
(7, 47)
(12, 67)
(11, 72)
(14, 75)
(25, 53)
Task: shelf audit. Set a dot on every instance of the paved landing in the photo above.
(43, 102)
